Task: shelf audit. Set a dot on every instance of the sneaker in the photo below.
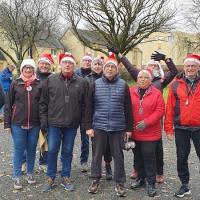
(23, 167)
(94, 187)
(84, 167)
(120, 190)
(50, 184)
(151, 190)
(160, 178)
(67, 184)
(134, 174)
(138, 184)
(31, 179)
(17, 183)
(43, 168)
(108, 172)
(184, 190)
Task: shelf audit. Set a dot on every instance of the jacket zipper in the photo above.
(28, 117)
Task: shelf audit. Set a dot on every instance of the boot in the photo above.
(151, 190)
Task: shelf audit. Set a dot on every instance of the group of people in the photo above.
(53, 105)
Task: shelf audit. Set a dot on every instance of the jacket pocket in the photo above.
(13, 112)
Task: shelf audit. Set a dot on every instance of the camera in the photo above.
(129, 144)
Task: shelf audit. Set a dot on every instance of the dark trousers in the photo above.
(107, 155)
(99, 142)
(146, 162)
(183, 146)
(159, 158)
(84, 146)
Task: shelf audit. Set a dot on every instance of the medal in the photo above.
(140, 110)
(187, 102)
(29, 88)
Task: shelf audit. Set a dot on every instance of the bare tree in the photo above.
(123, 23)
(22, 23)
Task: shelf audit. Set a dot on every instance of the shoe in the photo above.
(67, 184)
(151, 190)
(120, 190)
(138, 184)
(184, 190)
(160, 178)
(43, 168)
(94, 187)
(108, 172)
(134, 174)
(31, 179)
(84, 167)
(17, 183)
(50, 184)
(23, 167)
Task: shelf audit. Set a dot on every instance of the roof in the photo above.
(49, 41)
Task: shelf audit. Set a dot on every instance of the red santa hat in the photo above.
(87, 56)
(67, 56)
(111, 60)
(192, 58)
(46, 57)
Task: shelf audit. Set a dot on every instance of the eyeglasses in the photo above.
(28, 68)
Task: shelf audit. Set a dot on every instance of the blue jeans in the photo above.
(24, 140)
(84, 146)
(56, 135)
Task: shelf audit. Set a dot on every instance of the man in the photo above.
(108, 116)
(96, 73)
(83, 71)
(182, 118)
(62, 107)
(160, 81)
(45, 63)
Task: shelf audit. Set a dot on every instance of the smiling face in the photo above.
(28, 71)
(97, 67)
(110, 71)
(143, 80)
(191, 69)
(44, 67)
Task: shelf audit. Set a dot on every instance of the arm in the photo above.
(128, 110)
(169, 113)
(43, 104)
(9, 100)
(133, 71)
(89, 110)
(171, 74)
(1, 96)
(158, 113)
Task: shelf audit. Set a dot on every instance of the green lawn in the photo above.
(165, 91)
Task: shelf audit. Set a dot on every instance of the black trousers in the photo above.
(107, 155)
(99, 142)
(159, 158)
(146, 162)
(183, 145)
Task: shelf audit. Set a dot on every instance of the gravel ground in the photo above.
(165, 191)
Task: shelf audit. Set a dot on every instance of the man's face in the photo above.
(44, 67)
(110, 71)
(191, 69)
(97, 67)
(67, 67)
(143, 80)
(86, 64)
(152, 67)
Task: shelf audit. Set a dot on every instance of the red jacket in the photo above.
(153, 107)
(182, 110)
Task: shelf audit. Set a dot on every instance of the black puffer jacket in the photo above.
(63, 101)
(22, 106)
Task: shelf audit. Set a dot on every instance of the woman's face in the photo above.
(143, 80)
(28, 71)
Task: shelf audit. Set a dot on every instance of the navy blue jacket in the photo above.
(6, 79)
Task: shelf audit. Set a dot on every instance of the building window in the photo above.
(53, 52)
(170, 38)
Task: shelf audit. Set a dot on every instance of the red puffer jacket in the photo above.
(183, 109)
(153, 108)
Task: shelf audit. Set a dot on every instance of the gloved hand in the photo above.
(158, 56)
(43, 128)
(141, 126)
(113, 49)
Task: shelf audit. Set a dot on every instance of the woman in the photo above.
(22, 117)
(148, 109)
